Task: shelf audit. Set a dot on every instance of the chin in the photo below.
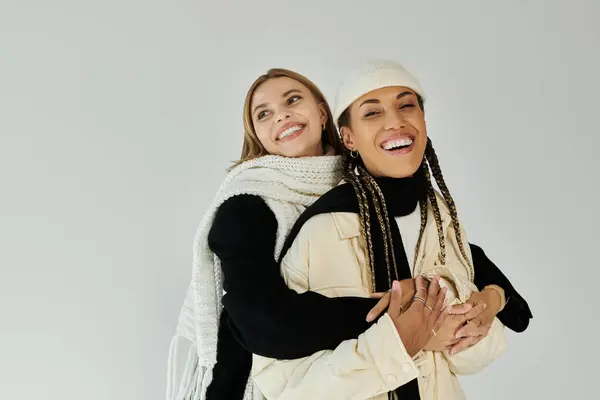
(305, 149)
(398, 174)
(400, 171)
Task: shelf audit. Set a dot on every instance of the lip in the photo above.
(293, 135)
(397, 136)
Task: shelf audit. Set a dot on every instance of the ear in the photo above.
(323, 113)
(347, 137)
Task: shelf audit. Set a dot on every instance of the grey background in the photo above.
(118, 118)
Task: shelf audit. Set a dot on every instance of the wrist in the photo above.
(499, 295)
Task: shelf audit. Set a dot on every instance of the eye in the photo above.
(371, 114)
(262, 115)
(407, 105)
(293, 99)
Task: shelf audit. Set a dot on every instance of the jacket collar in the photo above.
(348, 224)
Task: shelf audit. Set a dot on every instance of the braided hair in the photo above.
(369, 193)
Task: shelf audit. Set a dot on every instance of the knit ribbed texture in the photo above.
(372, 75)
(288, 186)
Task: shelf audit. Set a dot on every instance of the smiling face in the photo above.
(387, 128)
(287, 118)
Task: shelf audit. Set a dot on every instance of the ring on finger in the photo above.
(420, 299)
(433, 330)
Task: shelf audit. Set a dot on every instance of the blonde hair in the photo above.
(252, 147)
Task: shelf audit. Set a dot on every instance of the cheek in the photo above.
(312, 116)
(418, 122)
(263, 136)
(310, 113)
(366, 138)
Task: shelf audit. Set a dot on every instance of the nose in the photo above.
(394, 121)
(282, 116)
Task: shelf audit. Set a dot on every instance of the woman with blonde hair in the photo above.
(290, 157)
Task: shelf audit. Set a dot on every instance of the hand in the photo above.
(407, 287)
(479, 319)
(417, 324)
(445, 337)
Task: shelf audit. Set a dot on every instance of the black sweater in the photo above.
(263, 316)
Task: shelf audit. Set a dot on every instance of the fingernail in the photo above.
(484, 306)
(395, 285)
(369, 317)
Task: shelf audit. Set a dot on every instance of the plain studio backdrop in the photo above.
(119, 117)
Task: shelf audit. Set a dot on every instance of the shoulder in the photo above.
(242, 208)
(326, 229)
(240, 218)
(321, 215)
(339, 200)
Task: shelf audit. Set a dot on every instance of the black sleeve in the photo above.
(230, 373)
(516, 314)
(266, 316)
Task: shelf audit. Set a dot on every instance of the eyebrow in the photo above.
(286, 94)
(375, 101)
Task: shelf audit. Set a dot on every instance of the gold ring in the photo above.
(417, 298)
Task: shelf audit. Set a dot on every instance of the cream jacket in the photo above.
(328, 257)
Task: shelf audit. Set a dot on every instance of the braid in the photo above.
(364, 217)
(423, 206)
(439, 179)
(360, 178)
(384, 222)
(363, 183)
(436, 216)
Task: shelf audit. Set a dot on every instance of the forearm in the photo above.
(267, 324)
(479, 356)
(262, 308)
(516, 313)
(357, 368)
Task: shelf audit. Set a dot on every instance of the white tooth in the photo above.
(397, 143)
(289, 131)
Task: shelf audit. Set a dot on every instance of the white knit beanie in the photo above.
(372, 75)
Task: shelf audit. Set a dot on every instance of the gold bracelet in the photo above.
(500, 291)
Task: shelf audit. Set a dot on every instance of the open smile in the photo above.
(290, 132)
(398, 145)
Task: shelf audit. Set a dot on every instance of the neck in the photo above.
(401, 194)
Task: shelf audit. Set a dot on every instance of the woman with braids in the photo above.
(290, 157)
(384, 225)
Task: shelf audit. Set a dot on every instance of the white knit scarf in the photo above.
(288, 186)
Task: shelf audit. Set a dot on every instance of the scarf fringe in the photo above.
(195, 379)
(192, 372)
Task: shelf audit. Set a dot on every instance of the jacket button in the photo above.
(391, 378)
